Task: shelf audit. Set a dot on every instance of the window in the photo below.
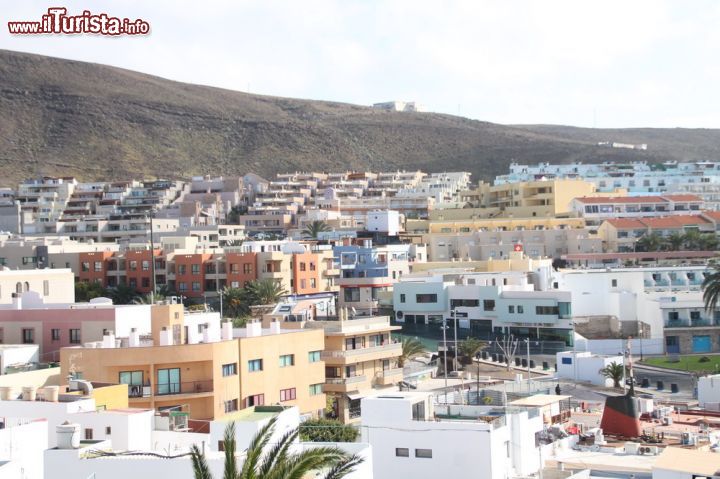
(182, 287)
(133, 265)
(75, 336)
(46, 287)
(84, 266)
(88, 434)
(489, 304)
(303, 283)
(402, 452)
(195, 269)
(98, 266)
(402, 298)
(146, 265)
(352, 295)
(424, 453)
(695, 315)
(511, 309)
(168, 381)
(287, 360)
(229, 369)
(134, 380)
(231, 405)
(28, 336)
(313, 283)
(547, 310)
(468, 303)
(108, 430)
(313, 356)
(303, 267)
(182, 269)
(255, 365)
(287, 394)
(247, 268)
(520, 309)
(315, 389)
(426, 298)
(673, 315)
(145, 282)
(55, 334)
(256, 400)
(2, 335)
(196, 286)
(613, 283)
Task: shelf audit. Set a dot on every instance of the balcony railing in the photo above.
(692, 323)
(392, 372)
(348, 353)
(191, 387)
(350, 380)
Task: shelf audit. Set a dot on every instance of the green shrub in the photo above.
(704, 359)
(327, 430)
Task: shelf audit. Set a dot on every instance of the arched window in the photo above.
(18, 287)
(27, 286)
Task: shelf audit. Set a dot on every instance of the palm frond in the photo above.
(278, 453)
(199, 464)
(344, 467)
(231, 469)
(255, 450)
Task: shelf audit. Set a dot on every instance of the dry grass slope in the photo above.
(62, 117)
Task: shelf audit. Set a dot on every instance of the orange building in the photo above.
(138, 269)
(306, 273)
(190, 272)
(241, 268)
(94, 266)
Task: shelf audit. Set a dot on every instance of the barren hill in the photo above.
(61, 117)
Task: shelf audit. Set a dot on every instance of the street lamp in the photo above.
(640, 333)
(455, 353)
(529, 380)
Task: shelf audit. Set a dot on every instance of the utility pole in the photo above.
(529, 380)
(455, 360)
(152, 262)
(444, 327)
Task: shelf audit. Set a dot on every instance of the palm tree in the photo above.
(235, 302)
(615, 372)
(649, 242)
(693, 240)
(711, 287)
(411, 348)
(123, 294)
(469, 348)
(708, 242)
(675, 241)
(159, 295)
(314, 229)
(264, 460)
(87, 290)
(264, 291)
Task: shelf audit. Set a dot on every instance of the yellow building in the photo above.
(360, 356)
(213, 376)
(541, 198)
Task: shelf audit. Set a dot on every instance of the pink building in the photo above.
(53, 326)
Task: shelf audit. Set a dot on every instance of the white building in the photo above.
(22, 444)
(709, 391)
(168, 456)
(399, 106)
(17, 354)
(585, 366)
(412, 437)
(52, 285)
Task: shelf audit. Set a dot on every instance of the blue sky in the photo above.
(585, 63)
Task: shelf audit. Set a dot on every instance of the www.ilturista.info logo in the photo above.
(57, 21)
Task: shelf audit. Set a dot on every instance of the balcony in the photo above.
(331, 272)
(692, 323)
(388, 377)
(350, 356)
(171, 389)
(343, 385)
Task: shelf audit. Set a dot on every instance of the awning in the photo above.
(353, 395)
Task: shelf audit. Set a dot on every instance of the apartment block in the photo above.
(50, 285)
(622, 234)
(597, 209)
(360, 355)
(188, 364)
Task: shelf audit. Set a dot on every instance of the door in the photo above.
(168, 381)
(701, 344)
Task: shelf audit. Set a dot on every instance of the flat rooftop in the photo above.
(254, 414)
(538, 400)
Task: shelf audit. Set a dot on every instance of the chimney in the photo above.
(134, 339)
(108, 340)
(253, 329)
(275, 326)
(206, 333)
(17, 301)
(227, 331)
(165, 337)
